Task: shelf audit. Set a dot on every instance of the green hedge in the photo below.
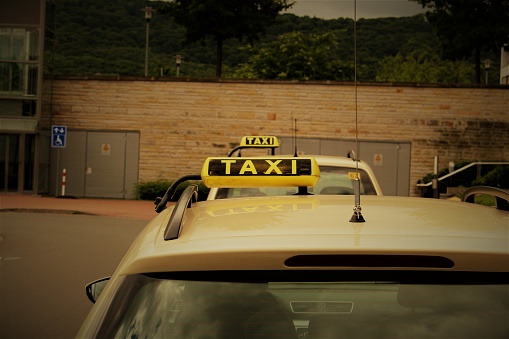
(498, 177)
(150, 190)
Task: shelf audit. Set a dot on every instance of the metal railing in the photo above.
(464, 168)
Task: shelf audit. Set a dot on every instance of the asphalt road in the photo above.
(45, 262)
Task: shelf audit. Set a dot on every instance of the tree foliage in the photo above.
(466, 28)
(423, 66)
(224, 19)
(108, 37)
(298, 56)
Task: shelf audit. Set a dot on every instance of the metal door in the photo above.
(110, 164)
(390, 163)
(97, 164)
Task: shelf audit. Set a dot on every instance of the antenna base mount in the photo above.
(357, 215)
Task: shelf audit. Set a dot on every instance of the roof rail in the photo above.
(161, 202)
(185, 201)
(501, 196)
(238, 148)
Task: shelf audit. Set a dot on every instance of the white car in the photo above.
(337, 175)
(307, 266)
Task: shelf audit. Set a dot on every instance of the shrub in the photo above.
(150, 190)
(498, 177)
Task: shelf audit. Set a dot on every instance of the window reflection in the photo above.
(363, 309)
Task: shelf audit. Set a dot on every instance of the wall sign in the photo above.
(106, 149)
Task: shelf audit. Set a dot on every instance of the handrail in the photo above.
(501, 196)
(185, 201)
(464, 168)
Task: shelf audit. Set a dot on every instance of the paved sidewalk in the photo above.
(130, 209)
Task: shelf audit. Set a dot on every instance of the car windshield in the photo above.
(333, 181)
(309, 304)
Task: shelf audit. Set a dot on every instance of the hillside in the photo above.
(108, 37)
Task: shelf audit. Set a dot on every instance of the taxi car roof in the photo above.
(332, 159)
(473, 237)
(326, 159)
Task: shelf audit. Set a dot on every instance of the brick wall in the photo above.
(181, 122)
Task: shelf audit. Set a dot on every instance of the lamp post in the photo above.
(487, 66)
(178, 60)
(148, 16)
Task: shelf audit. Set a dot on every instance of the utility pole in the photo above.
(148, 16)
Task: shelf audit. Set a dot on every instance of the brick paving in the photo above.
(130, 209)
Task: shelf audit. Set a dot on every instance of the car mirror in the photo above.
(95, 288)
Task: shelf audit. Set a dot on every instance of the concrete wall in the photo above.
(181, 122)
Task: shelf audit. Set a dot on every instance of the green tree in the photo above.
(467, 27)
(298, 56)
(224, 19)
(423, 66)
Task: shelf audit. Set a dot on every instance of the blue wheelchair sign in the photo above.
(58, 136)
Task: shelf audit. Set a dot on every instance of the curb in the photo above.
(36, 210)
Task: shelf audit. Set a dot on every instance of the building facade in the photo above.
(23, 28)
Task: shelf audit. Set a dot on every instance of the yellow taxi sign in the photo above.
(354, 175)
(259, 141)
(282, 171)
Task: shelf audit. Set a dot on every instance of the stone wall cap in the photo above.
(99, 77)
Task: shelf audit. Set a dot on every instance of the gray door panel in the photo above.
(105, 165)
(131, 164)
(383, 160)
(98, 164)
(304, 146)
(404, 169)
(337, 147)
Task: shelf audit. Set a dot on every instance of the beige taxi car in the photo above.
(307, 265)
(336, 174)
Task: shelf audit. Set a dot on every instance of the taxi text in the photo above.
(260, 167)
(266, 141)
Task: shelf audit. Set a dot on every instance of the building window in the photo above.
(19, 55)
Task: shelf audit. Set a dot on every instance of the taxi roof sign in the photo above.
(259, 141)
(284, 171)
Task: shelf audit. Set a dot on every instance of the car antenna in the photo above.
(357, 216)
(302, 190)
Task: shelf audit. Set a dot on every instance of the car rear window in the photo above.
(310, 304)
(333, 181)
